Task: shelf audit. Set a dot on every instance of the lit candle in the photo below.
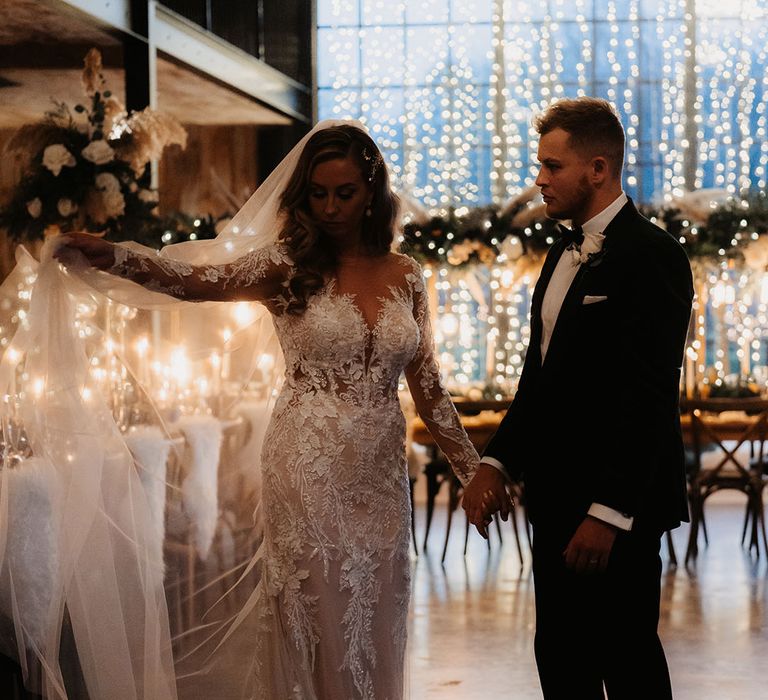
(156, 334)
(490, 355)
(690, 373)
(13, 357)
(142, 348)
(225, 363)
(216, 373)
(266, 365)
(180, 367)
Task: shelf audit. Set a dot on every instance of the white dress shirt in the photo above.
(559, 283)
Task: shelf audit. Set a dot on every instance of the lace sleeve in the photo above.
(260, 275)
(432, 400)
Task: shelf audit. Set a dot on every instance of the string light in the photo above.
(449, 89)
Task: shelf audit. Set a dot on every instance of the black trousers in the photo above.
(599, 631)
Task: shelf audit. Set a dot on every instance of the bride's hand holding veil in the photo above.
(98, 252)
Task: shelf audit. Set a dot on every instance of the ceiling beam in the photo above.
(187, 42)
(206, 52)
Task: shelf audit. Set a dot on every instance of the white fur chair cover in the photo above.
(199, 489)
(31, 547)
(150, 448)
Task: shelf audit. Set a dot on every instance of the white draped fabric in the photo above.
(81, 580)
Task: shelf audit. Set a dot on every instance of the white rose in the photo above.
(57, 156)
(592, 244)
(35, 207)
(512, 247)
(107, 182)
(98, 152)
(66, 206)
(114, 203)
(459, 253)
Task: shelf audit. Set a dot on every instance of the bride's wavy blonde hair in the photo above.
(314, 253)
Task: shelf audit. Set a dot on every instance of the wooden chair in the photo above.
(516, 492)
(438, 472)
(719, 429)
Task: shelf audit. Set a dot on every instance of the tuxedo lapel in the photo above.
(550, 263)
(575, 294)
(572, 296)
(544, 277)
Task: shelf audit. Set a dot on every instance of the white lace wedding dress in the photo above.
(334, 591)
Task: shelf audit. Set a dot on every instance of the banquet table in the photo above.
(481, 419)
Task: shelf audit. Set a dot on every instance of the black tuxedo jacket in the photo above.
(599, 420)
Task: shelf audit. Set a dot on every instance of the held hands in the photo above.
(590, 546)
(99, 253)
(485, 495)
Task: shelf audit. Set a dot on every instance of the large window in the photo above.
(448, 88)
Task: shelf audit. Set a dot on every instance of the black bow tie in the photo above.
(574, 236)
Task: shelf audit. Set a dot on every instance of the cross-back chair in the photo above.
(727, 437)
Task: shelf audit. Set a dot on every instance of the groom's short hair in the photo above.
(592, 124)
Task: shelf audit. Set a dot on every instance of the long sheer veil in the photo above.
(111, 567)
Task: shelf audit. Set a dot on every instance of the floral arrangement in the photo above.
(710, 224)
(88, 170)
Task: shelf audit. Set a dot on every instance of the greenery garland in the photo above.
(725, 232)
(483, 234)
(479, 235)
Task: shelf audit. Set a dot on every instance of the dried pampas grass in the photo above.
(91, 76)
(150, 132)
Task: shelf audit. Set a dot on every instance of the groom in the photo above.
(594, 428)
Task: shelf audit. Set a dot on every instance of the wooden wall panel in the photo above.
(214, 175)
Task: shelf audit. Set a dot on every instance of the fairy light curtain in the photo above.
(448, 89)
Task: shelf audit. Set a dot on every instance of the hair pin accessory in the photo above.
(375, 161)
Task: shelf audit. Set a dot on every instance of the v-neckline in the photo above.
(351, 298)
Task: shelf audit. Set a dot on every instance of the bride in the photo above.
(351, 317)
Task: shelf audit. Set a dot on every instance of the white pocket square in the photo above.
(593, 299)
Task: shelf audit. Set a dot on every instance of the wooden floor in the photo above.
(471, 635)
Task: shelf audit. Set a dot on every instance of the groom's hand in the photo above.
(590, 546)
(485, 495)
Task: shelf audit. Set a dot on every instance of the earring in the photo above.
(367, 211)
